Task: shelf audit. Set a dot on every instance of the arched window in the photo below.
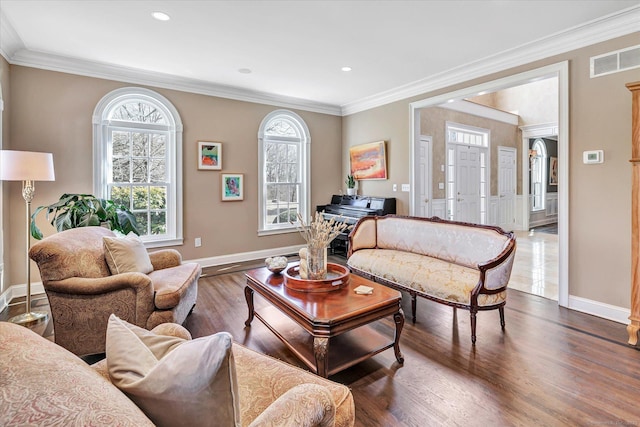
(283, 140)
(137, 154)
(538, 157)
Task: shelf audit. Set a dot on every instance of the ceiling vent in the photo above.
(613, 62)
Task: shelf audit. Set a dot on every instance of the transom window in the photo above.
(283, 141)
(137, 156)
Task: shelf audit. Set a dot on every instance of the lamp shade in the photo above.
(26, 166)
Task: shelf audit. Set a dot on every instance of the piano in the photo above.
(350, 209)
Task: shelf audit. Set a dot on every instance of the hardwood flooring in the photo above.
(551, 367)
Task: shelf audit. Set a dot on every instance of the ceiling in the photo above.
(294, 50)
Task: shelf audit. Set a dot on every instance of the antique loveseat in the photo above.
(41, 384)
(459, 264)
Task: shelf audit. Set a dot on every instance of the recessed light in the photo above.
(346, 68)
(161, 16)
(244, 71)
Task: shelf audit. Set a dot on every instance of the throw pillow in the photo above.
(126, 254)
(176, 382)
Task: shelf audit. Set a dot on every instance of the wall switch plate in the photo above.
(198, 242)
(395, 187)
(441, 168)
(405, 187)
(441, 186)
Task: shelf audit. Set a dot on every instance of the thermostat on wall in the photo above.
(590, 157)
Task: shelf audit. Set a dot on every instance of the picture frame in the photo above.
(368, 161)
(209, 155)
(553, 171)
(232, 187)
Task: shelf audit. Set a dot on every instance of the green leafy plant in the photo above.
(84, 210)
(350, 181)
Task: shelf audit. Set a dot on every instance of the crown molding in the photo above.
(611, 26)
(10, 41)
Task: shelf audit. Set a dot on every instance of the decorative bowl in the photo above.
(337, 278)
(276, 264)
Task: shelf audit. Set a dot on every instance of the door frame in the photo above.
(559, 70)
(427, 140)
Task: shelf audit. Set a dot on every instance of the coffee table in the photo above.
(328, 331)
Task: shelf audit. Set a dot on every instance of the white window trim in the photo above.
(100, 152)
(305, 189)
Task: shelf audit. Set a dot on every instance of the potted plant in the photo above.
(84, 210)
(351, 185)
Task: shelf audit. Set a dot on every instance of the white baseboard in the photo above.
(246, 256)
(599, 309)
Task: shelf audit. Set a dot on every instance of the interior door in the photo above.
(468, 183)
(424, 177)
(507, 187)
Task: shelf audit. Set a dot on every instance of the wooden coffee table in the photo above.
(328, 331)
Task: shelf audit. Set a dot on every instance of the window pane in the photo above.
(158, 170)
(158, 198)
(158, 145)
(121, 196)
(292, 153)
(140, 171)
(141, 220)
(158, 223)
(121, 172)
(271, 151)
(140, 198)
(293, 173)
(271, 172)
(280, 127)
(282, 173)
(120, 141)
(140, 144)
(140, 112)
(272, 192)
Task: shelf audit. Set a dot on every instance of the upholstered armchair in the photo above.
(83, 290)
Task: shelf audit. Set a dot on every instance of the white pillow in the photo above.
(176, 382)
(126, 254)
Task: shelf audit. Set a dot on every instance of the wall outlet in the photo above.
(395, 187)
(405, 187)
(198, 242)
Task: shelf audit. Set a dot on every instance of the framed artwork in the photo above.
(209, 155)
(232, 187)
(368, 161)
(553, 171)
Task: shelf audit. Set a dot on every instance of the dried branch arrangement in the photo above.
(319, 233)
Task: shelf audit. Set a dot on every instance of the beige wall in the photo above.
(53, 111)
(599, 199)
(433, 122)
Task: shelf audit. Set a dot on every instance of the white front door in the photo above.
(468, 176)
(506, 187)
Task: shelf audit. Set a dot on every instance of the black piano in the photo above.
(350, 209)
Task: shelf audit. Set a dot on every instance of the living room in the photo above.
(50, 106)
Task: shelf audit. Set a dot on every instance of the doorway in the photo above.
(559, 71)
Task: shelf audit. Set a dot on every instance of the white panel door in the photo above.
(468, 184)
(507, 187)
(424, 177)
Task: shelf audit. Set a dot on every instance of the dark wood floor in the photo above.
(552, 366)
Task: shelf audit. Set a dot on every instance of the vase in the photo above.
(317, 262)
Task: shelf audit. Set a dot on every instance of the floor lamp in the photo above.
(27, 166)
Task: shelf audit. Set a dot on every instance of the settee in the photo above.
(42, 384)
(459, 264)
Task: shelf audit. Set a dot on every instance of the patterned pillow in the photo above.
(174, 381)
(126, 254)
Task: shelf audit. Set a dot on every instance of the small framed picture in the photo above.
(209, 155)
(232, 187)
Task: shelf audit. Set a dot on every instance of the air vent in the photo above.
(613, 62)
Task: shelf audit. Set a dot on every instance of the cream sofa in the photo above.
(458, 264)
(43, 384)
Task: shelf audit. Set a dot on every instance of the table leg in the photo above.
(248, 295)
(321, 351)
(398, 318)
